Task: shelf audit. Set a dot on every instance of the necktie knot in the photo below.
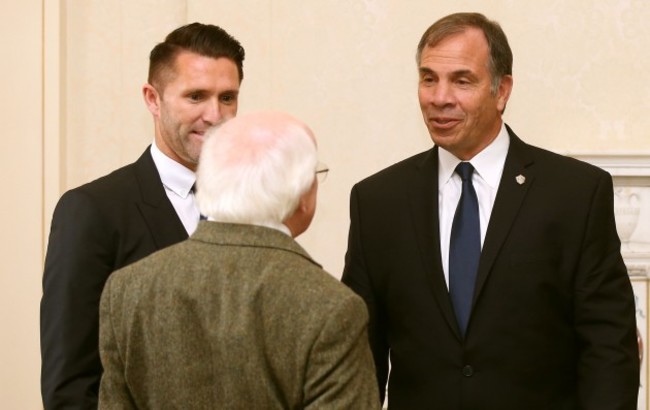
(193, 190)
(465, 170)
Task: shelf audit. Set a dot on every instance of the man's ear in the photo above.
(503, 93)
(151, 99)
(296, 221)
(303, 204)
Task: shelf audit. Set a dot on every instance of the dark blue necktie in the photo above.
(464, 248)
(201, 216)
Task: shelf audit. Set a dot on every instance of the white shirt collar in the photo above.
(487, 163)
(173, 175)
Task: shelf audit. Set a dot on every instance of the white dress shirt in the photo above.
(178, 182)
(488, 168)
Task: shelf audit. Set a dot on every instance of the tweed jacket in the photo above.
(236, 317)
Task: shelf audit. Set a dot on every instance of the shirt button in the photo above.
(468, 371)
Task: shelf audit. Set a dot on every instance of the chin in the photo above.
(443, 141)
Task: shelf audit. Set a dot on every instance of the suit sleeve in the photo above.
(608, 367)
(78, 261)
(113, 391)
(356, 276)
(340, 372)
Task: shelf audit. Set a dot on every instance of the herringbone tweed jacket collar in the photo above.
(248, 235)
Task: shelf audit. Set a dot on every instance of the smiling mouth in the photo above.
(444, 122)
(196, 136)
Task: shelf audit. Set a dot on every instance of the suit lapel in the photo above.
(518, 176)
(164, 224)
(423, 200)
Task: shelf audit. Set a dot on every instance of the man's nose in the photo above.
(442, 94)
(212, 112)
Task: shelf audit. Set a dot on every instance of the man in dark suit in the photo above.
(193, 84)
(239, 316)
(501, 285)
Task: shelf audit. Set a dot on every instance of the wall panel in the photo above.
(108, 45)
(21, 237)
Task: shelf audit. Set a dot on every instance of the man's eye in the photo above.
(228, 98)
(195, 96)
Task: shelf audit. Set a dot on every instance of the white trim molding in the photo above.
(631, 177)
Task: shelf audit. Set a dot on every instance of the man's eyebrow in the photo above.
(464, 72)
(457, 73)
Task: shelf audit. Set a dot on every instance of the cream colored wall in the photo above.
(347, 68)
(21, 237)
(344, 66)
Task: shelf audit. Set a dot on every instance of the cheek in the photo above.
(168, 118)
(229, 111)
(187, 115)
(174, 112)
(423, 97)
(474, 108)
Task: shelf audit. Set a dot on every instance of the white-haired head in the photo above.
(259, 169)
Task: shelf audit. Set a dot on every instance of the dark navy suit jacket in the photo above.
(96, 228)
(553, 318)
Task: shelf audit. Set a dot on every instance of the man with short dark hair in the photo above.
(193, 84)
(491, 268)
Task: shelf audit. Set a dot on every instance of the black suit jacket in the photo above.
(96, 228)
(553, 321)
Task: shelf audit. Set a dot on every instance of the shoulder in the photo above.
(550, 168)
(336, 307)
(397, 175)
(152, 267)
(121, 179)
(401, 168)
(130, 282)
(554, 166)
(324, 293)
(294, 280)
(104, 192)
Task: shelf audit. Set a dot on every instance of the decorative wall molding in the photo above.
(633, 165)
(53, 112)
(631, 177)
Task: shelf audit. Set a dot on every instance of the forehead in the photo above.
(194, 70)
(467, 49)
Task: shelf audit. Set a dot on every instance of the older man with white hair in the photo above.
(239, 315)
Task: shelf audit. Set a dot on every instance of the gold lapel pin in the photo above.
(520, 179)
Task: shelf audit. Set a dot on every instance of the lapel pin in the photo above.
(520, 179)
